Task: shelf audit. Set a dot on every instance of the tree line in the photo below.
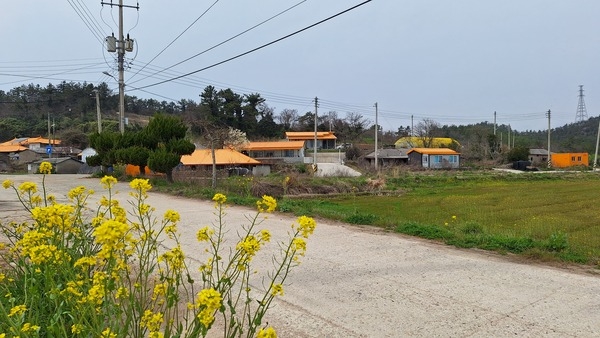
(70, 108)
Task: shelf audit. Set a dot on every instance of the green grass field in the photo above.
(545, 216)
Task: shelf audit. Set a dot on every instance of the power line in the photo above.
(81, 13)
(227, 40)
(177, 37)
(260, 47)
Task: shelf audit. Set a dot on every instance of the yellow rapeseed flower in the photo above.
(108, 334)
(307, 225)
(45, 168)
(7, 184)
(299, 245)
(28, 327)
(76, 328)
(219, 198)
(268, 332)
(174, 258)
(277, 289)
(203, 235)
(172, 216)
(28, 187)
(76, 192)
(108, 181)
(248, 246)
(160, 289)
(265, 235)
(17, 310)
(266, 204)
(140, 184)
(152, 321)
(111, 235)
(208, 300)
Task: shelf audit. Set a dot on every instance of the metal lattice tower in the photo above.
(581, 111)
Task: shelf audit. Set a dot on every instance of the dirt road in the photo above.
(363, 282)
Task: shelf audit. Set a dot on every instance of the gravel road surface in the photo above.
(365, 282)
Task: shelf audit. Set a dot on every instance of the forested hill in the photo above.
(574, 137)
(71, 108)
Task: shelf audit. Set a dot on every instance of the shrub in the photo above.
(557, 242)
(361, 218)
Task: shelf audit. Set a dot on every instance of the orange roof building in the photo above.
(434, 158)
(224, 157)
(11, 148)
(31, 142)
(278, 151)
(325, 139)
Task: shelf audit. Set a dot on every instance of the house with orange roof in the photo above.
(224, 158)
(434, 158)
(325, 139)
(275, 151)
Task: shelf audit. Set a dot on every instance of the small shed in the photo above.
(389, 157)
(434, 158)
(538, 156)
(60, 165)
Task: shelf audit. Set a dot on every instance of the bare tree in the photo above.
(426, 131)
(288, 118)
(218, 136)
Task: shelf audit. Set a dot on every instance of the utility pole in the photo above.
(98, 111)
(549, 156)
(315, 140)
(597, 142)
(123, 45)
(376, 133)
(121, 59)
(509, 131)
(412, 125)
(494, 123)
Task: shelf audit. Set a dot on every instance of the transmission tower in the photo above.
(581, 111)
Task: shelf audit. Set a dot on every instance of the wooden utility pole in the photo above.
(376, 133)
(549, 153)
(315, 140)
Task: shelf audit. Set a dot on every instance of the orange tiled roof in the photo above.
(28, 141)
(223, 157)
(434, 151)
(309, 135)
(42, 140)
(277, 145)
(11, 148)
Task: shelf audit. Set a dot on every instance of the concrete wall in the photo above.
(325, 157)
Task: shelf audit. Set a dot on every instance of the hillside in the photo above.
(71, 109)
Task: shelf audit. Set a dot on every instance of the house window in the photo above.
(288, 153)
(572, 158)
(579, 158)
(437, 159)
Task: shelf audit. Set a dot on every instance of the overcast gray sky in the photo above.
(455, 62)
